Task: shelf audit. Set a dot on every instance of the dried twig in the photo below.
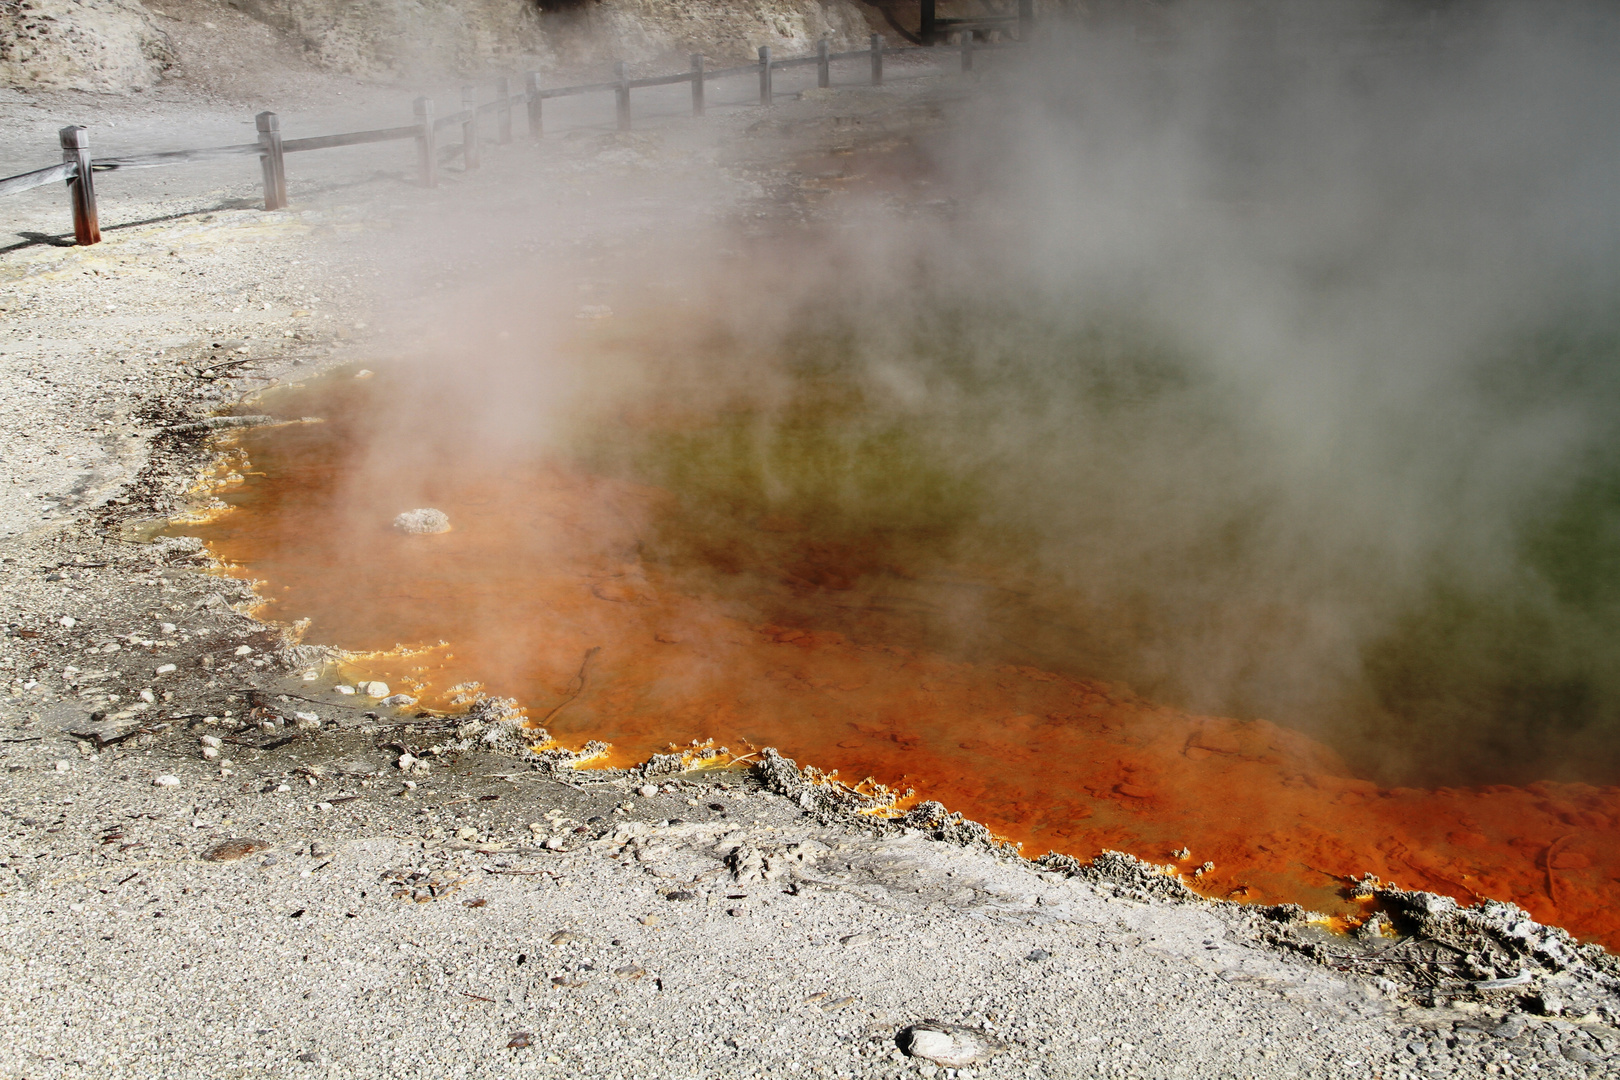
(578, 685)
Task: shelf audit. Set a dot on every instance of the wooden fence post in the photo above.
(537, 125)
(967, 50)
(272, 161)
(469, 128)
(926, 31)
(503, 115)
(877, 59)
(427, 150)
(764, 74)
(697, 84)
(823, 65)
(622, 95)
(81, 186)
(1026, 19)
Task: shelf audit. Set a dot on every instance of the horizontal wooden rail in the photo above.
(353, 138)
(570, 91)
(175, 157)
(665, 80)
(453, 119)
(38, 178)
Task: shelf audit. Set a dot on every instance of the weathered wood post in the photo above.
(622, 95)
(427, 151)
(764, 74)
(967, 50)
(1026, 19)
(81, 185)
(271, 161)
(537, 125)
(823, 65)
(469, 128)
(503, 115)
(697, 84)
(877, 59)
(926, 31)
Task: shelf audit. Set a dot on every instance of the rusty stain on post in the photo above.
(81, 185)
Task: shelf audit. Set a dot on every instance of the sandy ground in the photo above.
(484, 916)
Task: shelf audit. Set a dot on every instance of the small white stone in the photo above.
(210, 740)
(210, 753)
(647, 791)
(398, 701)
(554, 843)
(405, 762)
(164, 669)
(63, 766)
(311, 676)
(244, 650)
(166, 781)
(424, 521)
(283, 787)
(307, 720)
(168, 627)
(148, 697)
(68, 621)
(374, 689)
(344, 689)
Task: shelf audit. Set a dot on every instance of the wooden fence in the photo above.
(78, 168)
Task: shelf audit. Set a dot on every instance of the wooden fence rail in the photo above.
(78, 168)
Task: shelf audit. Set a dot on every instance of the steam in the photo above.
(1265, 358)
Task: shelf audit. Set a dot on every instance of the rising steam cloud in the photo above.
(1263, 357)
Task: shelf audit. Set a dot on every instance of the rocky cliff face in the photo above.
(98, 45)
(385, 38)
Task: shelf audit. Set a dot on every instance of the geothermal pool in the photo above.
(613, 604)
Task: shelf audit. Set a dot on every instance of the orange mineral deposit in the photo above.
(545, 565)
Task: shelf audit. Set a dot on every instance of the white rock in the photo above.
(422, 522)
(62, 766)
(164, 669)
(166, 781)
(311, 676)
(168, 627)
(406, 760)
(307, 721)
(950, 1045)
(244, 650)
(344, 689)
(68, 621)
(554, 843)
(148, 697)
(210, 753)
(647, 791)
(210, 740)
(374, 689)
(398, 701)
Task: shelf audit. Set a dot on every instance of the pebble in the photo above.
(856, 939)
(62, 766)
(423, 522)
(210, 753)
(398, 701)
(166, 780)
(345, 690)
(68, 621)
(647, 791)
(244, 650)
(406, 760)
(554, 843)
(148, 697)
(307, 721)
(211, 740)
(374, 689)
(951, 1045)
(164, 669)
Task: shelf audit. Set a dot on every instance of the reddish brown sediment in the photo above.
(542, 566)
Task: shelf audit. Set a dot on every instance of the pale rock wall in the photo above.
(391, 38)
(728, 30)
(97, 45)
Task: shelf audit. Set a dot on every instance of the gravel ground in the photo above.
(484, 916)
